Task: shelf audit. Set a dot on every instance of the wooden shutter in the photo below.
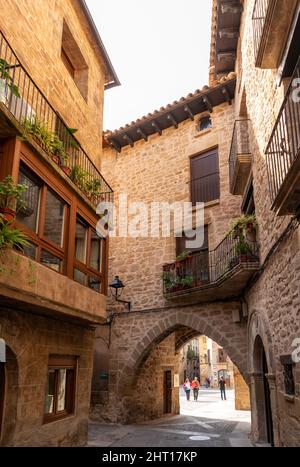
(181, 243)
(205, 178)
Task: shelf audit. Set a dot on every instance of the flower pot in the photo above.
(56, 159)
(244, 258)
(66, 170)
(8, 215)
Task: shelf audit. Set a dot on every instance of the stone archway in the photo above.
(135, 335)
(262, 372)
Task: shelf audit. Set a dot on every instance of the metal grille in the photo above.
(240, 144)
(258, 22)
(284, 145)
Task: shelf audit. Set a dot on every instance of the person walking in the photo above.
(195, 387)
(187, 388)
(207, 382)
(222, 385)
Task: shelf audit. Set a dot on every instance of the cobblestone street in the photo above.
(206, 423)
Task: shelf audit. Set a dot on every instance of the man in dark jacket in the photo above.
(222, 385)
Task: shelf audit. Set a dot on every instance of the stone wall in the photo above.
(242, 395)
(30, 340)
(34, 30)
(274, 299)
(159, 170)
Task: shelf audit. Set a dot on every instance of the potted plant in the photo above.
(11, 238)
(187, 282)
(93, 187)
(242, 249)
(10, 195)
(183, 256)
(6, 81)
(168, 280)
(78, 175)
(59, 154)
(243, 224)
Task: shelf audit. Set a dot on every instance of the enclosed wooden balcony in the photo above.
(240, 158)
(271, 21)
(218, 274)
(25, 111)
(283, 153)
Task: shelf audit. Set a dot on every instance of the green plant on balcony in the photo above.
(4, 75)
(244, 223)
(78, 175)
(191, 354)
(40, 132)
(11, 196)
(58, 149)
(11, 238)
(184, 255)
(93, 187)
(187, 281)
(168, 280)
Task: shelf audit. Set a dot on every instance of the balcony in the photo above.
(283, 153)
(26, 111)
(218, 274)
(271, 22)
(29, 286)
(240, 158)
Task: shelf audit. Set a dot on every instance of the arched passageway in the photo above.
(143, 355)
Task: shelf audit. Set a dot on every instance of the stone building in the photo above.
(53, 73)
(233, 145)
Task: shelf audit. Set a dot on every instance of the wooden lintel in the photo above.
(157, 127)
(142, 134)
(188, 110)
(208, 103)
(172, 120)
(128, 140)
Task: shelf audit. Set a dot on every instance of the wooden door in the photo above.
(168, 392)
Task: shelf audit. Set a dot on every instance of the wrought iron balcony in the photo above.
(26, 106)
(240, 158)
(208, 275)
(271, 22)
(283, 152)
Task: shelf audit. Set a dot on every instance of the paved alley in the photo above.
(209, 422)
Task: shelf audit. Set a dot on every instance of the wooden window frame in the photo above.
(85, 268)
(75, 205)
(57, 363)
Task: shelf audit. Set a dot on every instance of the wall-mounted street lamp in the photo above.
(116, 288)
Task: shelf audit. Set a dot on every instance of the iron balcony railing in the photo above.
(38, 119)
(284, 145)
(240, 145)
(205, 189)
(258, 23)
(208, 267)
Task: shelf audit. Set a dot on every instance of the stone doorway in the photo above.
(262, 394)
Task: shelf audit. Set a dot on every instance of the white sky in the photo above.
(159, 49)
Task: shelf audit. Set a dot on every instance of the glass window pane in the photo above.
(96, 244)
(51, 261)
(95, 283)
(80, 240)
(49, 402)
(62, 390)
(54, 219)
(28, 211)
(80, 277)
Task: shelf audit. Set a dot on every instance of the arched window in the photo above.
(205, 123)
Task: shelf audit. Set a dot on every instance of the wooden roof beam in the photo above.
(141, 133)
(208, 103)
(156, 127)
(128, 140)
(187, 109)
(226, 95)
(114, 144)
(171, 118)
